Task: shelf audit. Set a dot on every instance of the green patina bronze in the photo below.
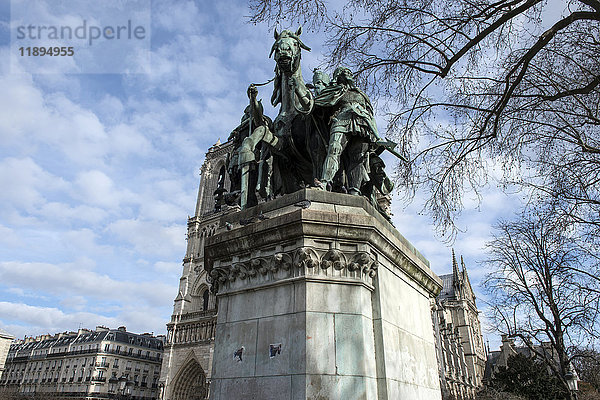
(324, 135)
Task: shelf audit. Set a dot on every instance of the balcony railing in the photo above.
(193, 315)
(99, 379)
(134, 355)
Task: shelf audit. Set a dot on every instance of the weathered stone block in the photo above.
(354, 332)
(320, 343)
(260, 388)
(233, 337)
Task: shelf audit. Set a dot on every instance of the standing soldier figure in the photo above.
(352, 131)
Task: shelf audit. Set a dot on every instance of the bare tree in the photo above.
(541, 290)
(587, 363)
(470, 83)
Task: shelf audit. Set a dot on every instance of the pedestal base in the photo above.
(323, 299)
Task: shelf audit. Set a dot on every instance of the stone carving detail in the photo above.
(333, 258)
(218, 276)
(365, 262)
(306, 258)
(281, 261)
(242, 271)
(297, 262)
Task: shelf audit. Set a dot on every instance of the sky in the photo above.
(100, 158)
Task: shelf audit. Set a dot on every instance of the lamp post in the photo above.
(572, 378)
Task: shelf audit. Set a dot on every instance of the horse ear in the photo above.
(276, 34)
(299, 31)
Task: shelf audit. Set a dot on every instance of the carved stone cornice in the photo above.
(304, 261)
(330, 221)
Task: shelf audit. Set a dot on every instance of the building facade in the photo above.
(100, 364)
(5, 342)
(460, 347)
(187, 362)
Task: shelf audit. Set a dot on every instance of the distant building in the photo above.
(5, 341)
(499, 358)
(187, 363)
(101, 364)
(459, 342)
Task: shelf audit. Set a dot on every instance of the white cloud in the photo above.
(9, 237)
(168, 267)
(150, 238)
(23, 182)
(48, 319)
(74, 302)
(78, 279)
(182, 16)
(66, 214)
(96, 188)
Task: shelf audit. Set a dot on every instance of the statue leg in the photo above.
(246, 151)
(337, 144)
(357, 154)
(246, 156)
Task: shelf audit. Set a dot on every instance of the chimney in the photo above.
(122, 329)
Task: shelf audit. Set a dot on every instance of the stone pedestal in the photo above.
(319, 297)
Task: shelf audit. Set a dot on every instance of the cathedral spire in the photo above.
(454, 267)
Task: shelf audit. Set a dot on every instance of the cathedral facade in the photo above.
(459, 342)
(188, 352)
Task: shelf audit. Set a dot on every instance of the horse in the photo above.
(291, 137)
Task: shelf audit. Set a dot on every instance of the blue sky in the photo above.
(100, 171)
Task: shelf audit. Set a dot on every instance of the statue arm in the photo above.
(304, 96)
(257, 108)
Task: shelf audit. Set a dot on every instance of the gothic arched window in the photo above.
(205, 296)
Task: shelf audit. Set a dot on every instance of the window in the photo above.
(205, 297)
(118, 348)
(116, 363)
(107, 347)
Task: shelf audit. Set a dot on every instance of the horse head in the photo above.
(288, 48)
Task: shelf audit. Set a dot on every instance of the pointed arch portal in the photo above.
(190, 383)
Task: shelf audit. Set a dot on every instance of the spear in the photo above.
(246, 166)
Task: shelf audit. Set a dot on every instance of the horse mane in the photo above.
(276, 96)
